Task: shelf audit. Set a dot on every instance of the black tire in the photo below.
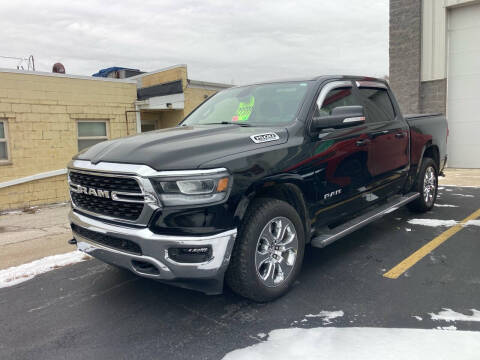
(425, 203)
(241, 275)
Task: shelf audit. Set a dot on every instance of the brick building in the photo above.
(434, 67)
(46, 118)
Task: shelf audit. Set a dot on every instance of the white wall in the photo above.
(434, 37)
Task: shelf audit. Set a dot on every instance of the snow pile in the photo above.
(17, 274)
(437, 222)
(465, 195)
(432, 222)
(327, 316)
(472, 223)
(450, 315)
(362, 344)
(452, 328)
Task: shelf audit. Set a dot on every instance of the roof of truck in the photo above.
(321, 78)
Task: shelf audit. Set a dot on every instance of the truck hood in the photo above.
(183, 147)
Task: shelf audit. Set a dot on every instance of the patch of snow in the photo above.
(450, 315)
(432, 222)
(11, 212)
(451, 327)
(448, 190)
(327, 316)
(408, 229)
(419, 318)
(472, 223)
(18, 274)
(362, 344)
(464, 195)
(261, 335)
(445, 205)
(441, 188)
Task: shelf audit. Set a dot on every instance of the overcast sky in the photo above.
(223, 41)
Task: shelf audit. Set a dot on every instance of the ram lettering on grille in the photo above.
(91, 191)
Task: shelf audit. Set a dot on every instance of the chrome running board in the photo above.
(327, 236)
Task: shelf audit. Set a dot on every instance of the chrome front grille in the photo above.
(110, 183)
(108, 207)
(111, 196)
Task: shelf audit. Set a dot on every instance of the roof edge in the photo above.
(207, 84)
(79, 77)
(157, 71)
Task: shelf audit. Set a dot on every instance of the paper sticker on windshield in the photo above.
(261, 138)
(244, 110)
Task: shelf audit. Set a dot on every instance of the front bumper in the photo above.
(204, 276)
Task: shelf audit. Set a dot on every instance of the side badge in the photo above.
(261, 138)
(332, 194)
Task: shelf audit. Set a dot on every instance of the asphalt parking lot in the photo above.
(91, 310)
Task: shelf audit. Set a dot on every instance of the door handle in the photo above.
(400, 135)
(383, 132)
(362, 142)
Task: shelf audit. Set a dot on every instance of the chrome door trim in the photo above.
(370, 84)
(329, 87)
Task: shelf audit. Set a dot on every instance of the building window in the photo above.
(91, 132)
(4, 154)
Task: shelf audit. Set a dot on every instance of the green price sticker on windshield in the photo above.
(244, 110)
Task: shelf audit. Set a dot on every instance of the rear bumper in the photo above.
(204, 276)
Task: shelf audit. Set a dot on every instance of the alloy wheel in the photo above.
(429, 185)
(276, 251)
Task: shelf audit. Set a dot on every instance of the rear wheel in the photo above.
(268, 252)
(427, 186)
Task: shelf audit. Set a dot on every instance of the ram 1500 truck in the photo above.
(238, 189)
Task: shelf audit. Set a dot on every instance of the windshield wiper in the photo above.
(228, 123)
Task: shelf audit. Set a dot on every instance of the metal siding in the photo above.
(433, 40)
(464, 86)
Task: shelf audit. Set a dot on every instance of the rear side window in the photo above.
(378, 106)
(338, 97)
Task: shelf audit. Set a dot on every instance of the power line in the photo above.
(29, 60)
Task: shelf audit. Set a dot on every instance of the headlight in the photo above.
(192, 189)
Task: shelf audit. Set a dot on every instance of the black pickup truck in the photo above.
(256, 173)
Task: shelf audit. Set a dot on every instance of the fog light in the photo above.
(190, 255)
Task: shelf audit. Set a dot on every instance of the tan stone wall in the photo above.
(163, 118)
(34, 193)
(170, 119)
(194, 97)
(174, 74)
(42, 114)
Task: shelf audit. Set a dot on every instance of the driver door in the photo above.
(342, 158)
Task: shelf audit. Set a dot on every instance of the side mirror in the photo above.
(341, 116)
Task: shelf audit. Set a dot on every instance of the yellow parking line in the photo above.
(418, 255)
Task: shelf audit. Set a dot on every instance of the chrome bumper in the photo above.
(155, 252)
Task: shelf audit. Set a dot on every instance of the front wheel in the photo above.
(427, 186)
(268, 252)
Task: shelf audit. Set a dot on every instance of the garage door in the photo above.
(464, 87)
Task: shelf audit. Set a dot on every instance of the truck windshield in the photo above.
(255, 105)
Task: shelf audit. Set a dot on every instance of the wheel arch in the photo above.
(433, 152)
(288, 191)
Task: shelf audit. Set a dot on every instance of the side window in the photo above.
(91, 133)
(4, 155)
(378, 106)
(338, 97)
